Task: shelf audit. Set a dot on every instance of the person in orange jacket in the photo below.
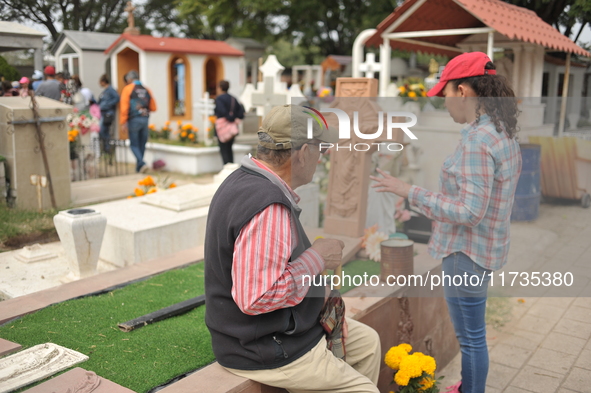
(137, 101)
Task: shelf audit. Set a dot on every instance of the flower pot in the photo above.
(81, 234)
(397, 258)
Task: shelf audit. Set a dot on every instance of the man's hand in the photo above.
(331, 250)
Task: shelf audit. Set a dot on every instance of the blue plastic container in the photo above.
(527, 195)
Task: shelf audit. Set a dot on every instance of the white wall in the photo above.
(154, 73)
(93, 65)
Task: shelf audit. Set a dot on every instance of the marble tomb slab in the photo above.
(34, 364)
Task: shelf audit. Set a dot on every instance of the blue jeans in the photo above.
(467, 307)
(105, 132)
(138, 136)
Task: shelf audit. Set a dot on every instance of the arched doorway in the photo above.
(213, 74)
(127, 60)
(179, 82)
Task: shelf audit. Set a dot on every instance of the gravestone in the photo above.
(34, 364)
(271, 91)
(155, 225)
(22, 150)
(346, 201)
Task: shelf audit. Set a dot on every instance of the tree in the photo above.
(7, 71)
(107, 16)
(562, 14)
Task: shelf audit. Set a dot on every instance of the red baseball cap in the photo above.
(49, 70)
(462, 66)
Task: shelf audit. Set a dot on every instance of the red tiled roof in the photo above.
(509, 20)
(149, 43)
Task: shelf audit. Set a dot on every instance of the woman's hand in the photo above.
(391, 184)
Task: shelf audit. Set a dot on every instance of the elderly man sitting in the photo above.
(264, 321)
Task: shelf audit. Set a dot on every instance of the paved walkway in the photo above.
(542, 344)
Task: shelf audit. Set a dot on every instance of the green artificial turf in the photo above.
(359, 268)
(141, 359)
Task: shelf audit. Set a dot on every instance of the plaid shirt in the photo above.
(473, 210)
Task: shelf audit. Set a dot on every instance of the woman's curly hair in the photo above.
(496, 98)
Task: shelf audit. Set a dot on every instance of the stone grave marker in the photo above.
(34, 364)
(155, 225)
(78, 380)
(346, 200)
(22, 150)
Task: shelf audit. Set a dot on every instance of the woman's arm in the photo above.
(475, 179)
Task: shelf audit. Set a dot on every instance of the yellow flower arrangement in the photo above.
(413, 372)
(412, 88)
(149, 186)
(188, 133)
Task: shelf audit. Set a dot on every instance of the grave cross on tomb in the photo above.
(370, 66)
(205, 107)
(271, 92)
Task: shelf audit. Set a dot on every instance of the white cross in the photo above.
(271, 92)
(370, 66)
(205, 108)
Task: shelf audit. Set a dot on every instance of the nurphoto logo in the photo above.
(392, 122)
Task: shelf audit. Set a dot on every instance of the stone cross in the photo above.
(348, 180)
(370, 66)
(130, 29)
(205, 108)
(129, 9)
(271, 91)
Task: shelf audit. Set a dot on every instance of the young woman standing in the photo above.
(472, 210)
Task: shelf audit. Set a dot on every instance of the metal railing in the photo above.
(93, 162)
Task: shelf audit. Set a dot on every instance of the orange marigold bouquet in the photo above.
(413, 372)
(188, 133)
(149, 186)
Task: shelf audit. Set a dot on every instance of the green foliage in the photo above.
(141, 359)
(561, 14)
(7, 71)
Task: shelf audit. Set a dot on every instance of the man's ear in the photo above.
(301, 154)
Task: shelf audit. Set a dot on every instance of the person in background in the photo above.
(82, 97)
(6, 89)
(37, 77)
(24, 82)
(136, 103)
(473, 209)
(228, 107)
(50, 87)
(107, 101)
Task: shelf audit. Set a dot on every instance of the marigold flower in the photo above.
(191, 136)
(172, 185)
(411, 365)
(167, 123)
(394, 356)
(152, 190)
(139, 192)
(183, 134)
(152, 127)
(401, 378)
(179, 123)
(212, 119)
(147, 181)
(187, 126)
(412, 94)
(428, 364)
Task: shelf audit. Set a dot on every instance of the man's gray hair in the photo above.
(274, 157)
(132, 76)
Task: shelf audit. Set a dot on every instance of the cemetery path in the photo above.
(541, 344)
